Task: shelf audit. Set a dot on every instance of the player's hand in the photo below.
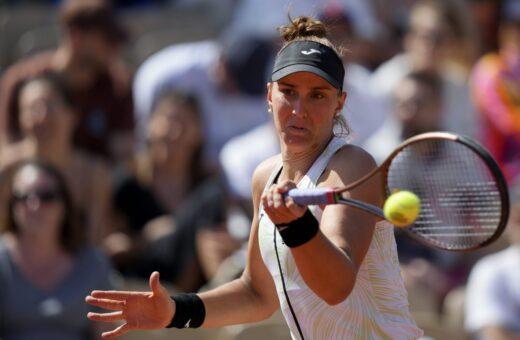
(280, 207)
(137, 310)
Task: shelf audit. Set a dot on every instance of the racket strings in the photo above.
(460, 198)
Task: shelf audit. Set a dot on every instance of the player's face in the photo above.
(304, 106)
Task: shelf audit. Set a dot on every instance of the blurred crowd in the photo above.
(129, 132)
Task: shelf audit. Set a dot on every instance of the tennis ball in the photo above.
(402, 208)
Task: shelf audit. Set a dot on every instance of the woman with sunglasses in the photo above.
(47, 120)
(333, 271)
(46, 267)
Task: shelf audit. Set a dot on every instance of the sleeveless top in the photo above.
(377, 307)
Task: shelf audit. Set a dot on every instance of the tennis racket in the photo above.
(463, 194)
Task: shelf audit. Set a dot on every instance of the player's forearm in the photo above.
(234, 303)
(326, 269)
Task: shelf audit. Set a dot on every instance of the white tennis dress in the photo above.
(377, 307)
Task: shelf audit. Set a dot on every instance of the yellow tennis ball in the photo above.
(402, 208)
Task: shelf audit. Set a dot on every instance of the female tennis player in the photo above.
(332, 270)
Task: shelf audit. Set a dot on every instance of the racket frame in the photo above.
(334, 195)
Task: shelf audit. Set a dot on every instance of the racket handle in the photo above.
(316, 196)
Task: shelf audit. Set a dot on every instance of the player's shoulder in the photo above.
(350, 163)
(264, 170)
(352, 159)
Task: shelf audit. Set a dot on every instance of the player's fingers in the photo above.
(124, 328)
(155, 283)
(106, 317)
(263, 198)
(295, 209)
(105, 303)
(278, 200)
(285, 186)
(114, 295)
(267, 198)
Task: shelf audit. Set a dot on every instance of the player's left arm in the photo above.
(330, 261)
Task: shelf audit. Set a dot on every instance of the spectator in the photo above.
(492, 301)
(167, 172)
(417, 108)
(47, 122)
(426, 45)
(496, 85)
(87, 58)
(228, 76)
(46, 267)
(485, 16)
(207, 228)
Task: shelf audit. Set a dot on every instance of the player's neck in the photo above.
(296, 164)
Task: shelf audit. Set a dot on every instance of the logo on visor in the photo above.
(311, 51)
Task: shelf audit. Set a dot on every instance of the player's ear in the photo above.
(269, 94)
(342, 98)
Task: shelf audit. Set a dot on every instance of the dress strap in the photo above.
(274, 175)
(316, 170)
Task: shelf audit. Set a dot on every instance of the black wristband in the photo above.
(189, 311)
(299, 231)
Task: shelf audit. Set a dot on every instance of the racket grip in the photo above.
(315, 196)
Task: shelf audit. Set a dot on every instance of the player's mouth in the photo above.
(296, 129)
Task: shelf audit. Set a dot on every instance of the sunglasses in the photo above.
(44, 196)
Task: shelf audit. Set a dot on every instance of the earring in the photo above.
(270, 109)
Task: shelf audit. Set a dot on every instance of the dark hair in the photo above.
(93, 15)
(189, 100)
(73, 235)
(55, 81)
(247, 58)
(304, 28)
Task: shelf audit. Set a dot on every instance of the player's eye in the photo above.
(288, 92)
(317, 95)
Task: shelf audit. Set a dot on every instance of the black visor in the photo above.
(309, 56)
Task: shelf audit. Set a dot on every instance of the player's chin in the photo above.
(297, 137)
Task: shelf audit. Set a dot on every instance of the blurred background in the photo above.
(129, 132)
